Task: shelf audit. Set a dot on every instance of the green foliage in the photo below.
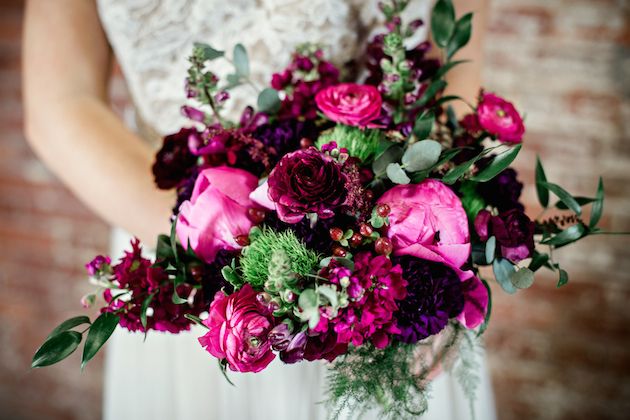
(541, 178)
(503, 270)
(498, 164)
(396, 174)
(443, 22)
(362, 144)
(100, 331)
(257, 256)
(461, 35)
(56, 348)
(466, 369)
(368, 378)
(68, 324)
(421, 155)
(268, 101)
(471, 200)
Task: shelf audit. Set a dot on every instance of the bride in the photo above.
(67, 60)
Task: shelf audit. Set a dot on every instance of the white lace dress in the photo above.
(171, 377)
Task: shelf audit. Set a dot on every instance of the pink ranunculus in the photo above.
(427, 221)
(350, 103)
(499, 117)
(238, 329)
(217, 211)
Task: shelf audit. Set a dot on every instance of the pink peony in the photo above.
(350, 103)
(475, 299)
(238, 331)
(427, 221)
(217, 212)
(499, 117)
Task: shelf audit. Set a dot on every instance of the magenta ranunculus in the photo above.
(238, 329)
(217, 212)
(350, 103)
(306, 181)
(427, 221)
(499, 117)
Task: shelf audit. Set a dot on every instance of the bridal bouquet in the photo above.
(339, 220)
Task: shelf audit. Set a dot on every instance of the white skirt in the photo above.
(171, 377)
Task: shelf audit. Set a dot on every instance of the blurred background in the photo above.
(554, 354)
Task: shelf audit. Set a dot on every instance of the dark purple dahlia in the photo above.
(434, 295)
(503, 191)
(174, 162)
(307, 181)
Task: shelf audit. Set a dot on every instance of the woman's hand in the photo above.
(69, 124)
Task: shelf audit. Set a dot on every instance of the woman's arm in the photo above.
(465, 79)
(70, 126)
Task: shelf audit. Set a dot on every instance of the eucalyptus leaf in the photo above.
(421, 155)
(442, 22)
(396, 174)
(392, 154)
(523, 278)
(56, 348)
(564, 196)
(498, 164)
(68, 324)
(598, 206)
(491, 246)
(100, 331)
(424, 125)
(461, 35)
(208, 52)
(241, 61)
(269, 101)
(541, 178)
(503, 271)
(563, 278)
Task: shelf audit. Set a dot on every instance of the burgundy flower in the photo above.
(174, 161)
(503, 191)
(513, 230)
(499, 117)
(307, 181)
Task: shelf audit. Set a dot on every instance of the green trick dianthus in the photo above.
(361, 144)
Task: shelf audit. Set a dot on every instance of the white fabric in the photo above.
(170, 377)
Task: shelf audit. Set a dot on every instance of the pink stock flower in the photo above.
(350, 103)
(499, 117)
(238, 331)
(427, 221)
(217, 212)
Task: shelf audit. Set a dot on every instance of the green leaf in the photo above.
(486, 320)
(68, 324)
(180, 279)
(241, 61)
(100, 331)
(447, 67)
(143, 309)
(523, 278)
(163, 250)
(499, 163)
(442, 22)
(563, 195)
(174, 241)
(269, 101)
(582, 201)
(56, 348)
(461, 35)
(424, 125)
(503, 270)
(207, 52)
(472, 201)
(393, 154)
(396, 174)
(308, 299)
(598, 206)
(491, 246)
(541, 178)
(233, 80)
(538, 261)
(563, 278)
(421, 155)
(430, 92)
(457, 172)
(566, 236)
(196, 320)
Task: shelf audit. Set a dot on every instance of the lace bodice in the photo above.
(153, 38)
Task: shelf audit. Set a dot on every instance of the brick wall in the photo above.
(553, 354)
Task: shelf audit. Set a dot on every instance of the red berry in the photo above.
(383, 246)
(305, 143)
(256, 215)
(356, 239)
(369, 195)
(383, 210)
(339, 252)
(242, 240)
(366, 230)
(336, 234)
